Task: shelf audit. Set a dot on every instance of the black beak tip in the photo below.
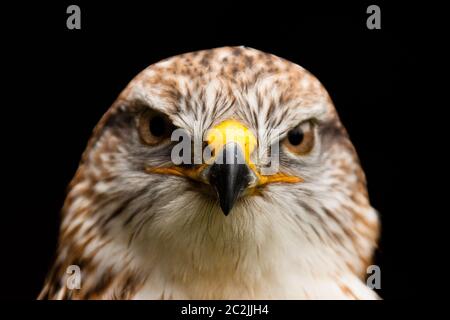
(230, 178)
(226, 207)
(225, 211)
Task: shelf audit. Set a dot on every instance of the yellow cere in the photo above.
(232, 131)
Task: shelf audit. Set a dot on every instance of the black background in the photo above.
(62, 81)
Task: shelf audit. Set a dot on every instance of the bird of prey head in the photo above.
(140, 225)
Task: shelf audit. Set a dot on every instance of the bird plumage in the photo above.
(137, 234)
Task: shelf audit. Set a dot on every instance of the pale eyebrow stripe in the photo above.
(314, 111)
(296, 115)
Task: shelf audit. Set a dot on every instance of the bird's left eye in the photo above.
(300, 140)
(154, 127)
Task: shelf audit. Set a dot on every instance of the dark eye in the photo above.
(154, 127)
(157, 126)
(296, 136)
(300, 140)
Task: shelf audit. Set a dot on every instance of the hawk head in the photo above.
(223, 173)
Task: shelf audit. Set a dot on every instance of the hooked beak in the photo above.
(230, 172)
(230, 178)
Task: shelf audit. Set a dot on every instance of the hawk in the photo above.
(140, 225)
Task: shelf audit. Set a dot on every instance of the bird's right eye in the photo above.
(154, 127)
